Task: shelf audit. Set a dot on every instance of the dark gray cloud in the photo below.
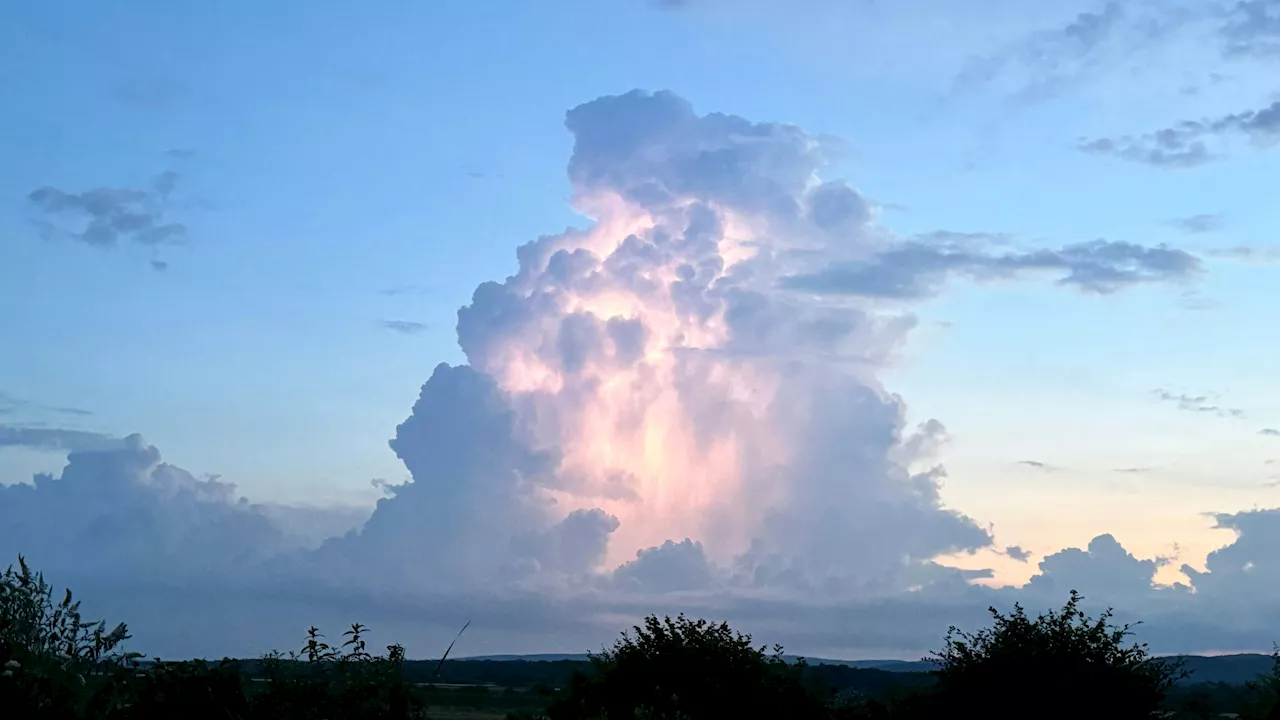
(1203, 223)
(404, 327)
(1269, 431)
(106, 217)
(1247, 568)
(915, 269)
(1104, 571)
(1188, 143)
(1133, 470)
(672, 567)
(1198, 404)
(1017, 553)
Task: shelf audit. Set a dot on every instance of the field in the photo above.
(481, 702)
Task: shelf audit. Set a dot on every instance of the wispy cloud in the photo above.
(1248, 253)
(920, 268)
(10, 404)
(107, 217)
(1036, 464)
(1198, 404)
(1253, 29)
(1044, 63)
(404, 327)
(1199, 224)
(408, 289)
(56, 439)
(1187, 144)
(1270, 432)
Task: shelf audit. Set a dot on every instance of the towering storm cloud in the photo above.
(666, 374)
(680, 400)
(646, 379)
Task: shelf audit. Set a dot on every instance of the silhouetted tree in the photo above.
(686, 669)
(1262, 700)
(1062, 664)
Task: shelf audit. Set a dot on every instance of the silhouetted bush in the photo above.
(686, 669)
(51, 659)
(57, 666)
(1062, 664)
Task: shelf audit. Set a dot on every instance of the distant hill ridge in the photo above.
(1230, 669)
(892, 665)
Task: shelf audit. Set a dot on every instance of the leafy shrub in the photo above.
(686, 669)
(54, 665)
(53, 660)
(1062, 664)
(338, 683)
(1262, 696)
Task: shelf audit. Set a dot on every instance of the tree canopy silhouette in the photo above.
(669, 669)
(1062, 664)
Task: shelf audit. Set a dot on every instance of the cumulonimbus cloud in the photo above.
(662, 408)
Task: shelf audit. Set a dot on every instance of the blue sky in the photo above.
(338, 168)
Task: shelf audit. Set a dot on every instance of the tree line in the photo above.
(56, 665)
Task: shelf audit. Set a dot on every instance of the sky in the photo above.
(840, 319)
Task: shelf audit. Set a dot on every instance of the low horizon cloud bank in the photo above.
(675, 408)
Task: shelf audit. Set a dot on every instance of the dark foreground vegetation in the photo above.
(1063, 664)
